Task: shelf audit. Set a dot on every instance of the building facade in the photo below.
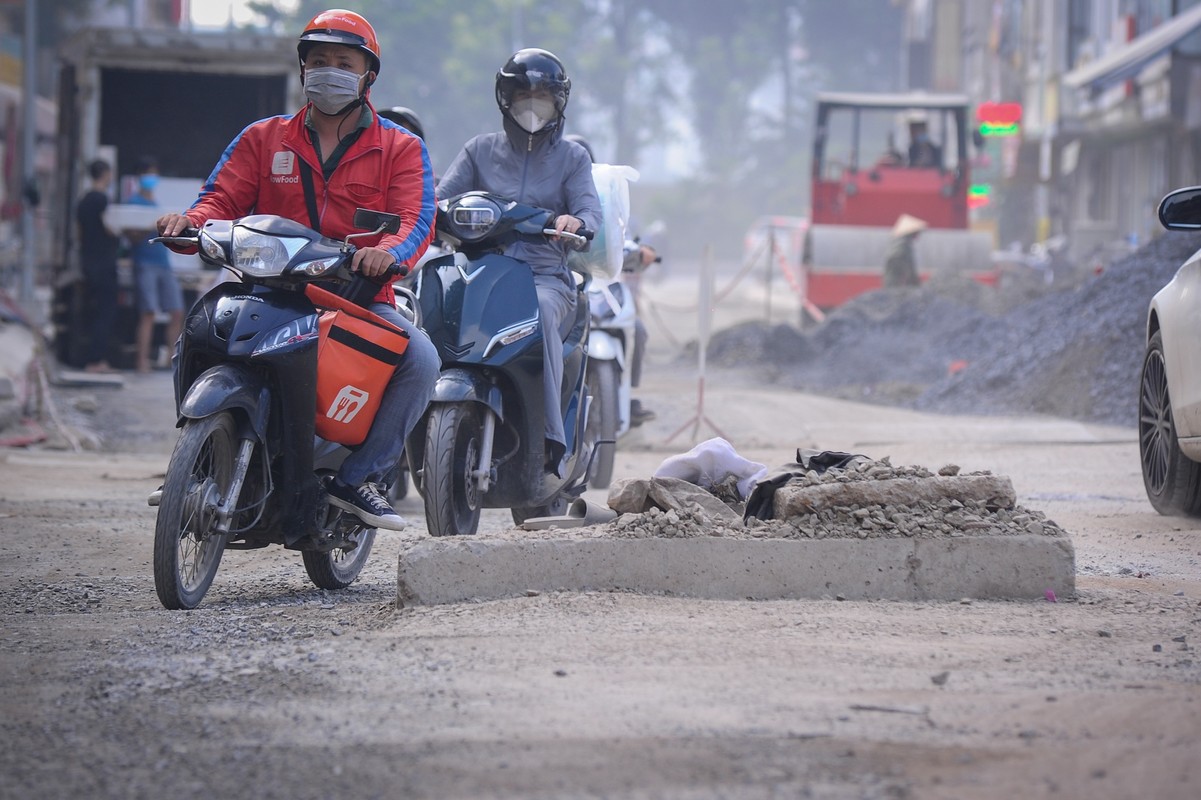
(1110, 95)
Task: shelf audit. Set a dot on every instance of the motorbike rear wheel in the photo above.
(452, 448)
(602, 421)
(338, 568)
(187, 549)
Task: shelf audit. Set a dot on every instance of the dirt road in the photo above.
(275, 689)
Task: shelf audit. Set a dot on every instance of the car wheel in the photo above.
(1172, 480)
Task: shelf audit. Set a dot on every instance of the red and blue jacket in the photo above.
(385, 169)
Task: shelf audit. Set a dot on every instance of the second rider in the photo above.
(530, 162)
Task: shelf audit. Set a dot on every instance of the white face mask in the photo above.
(533, 113)
(331, 89)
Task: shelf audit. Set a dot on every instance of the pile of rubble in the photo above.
(866, 500)
(948, 347)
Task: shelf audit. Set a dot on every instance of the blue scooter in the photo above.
(481, 442)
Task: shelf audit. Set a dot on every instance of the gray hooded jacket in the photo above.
(541, 170)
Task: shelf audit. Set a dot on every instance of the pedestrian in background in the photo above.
(900, 266)
(98, 258)
(157, 287)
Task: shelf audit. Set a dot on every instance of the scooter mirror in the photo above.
(376, 221)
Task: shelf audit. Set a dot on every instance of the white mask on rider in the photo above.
(533, 113)
(330, 89)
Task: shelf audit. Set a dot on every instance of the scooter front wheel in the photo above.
(452, 450)
(187, 546)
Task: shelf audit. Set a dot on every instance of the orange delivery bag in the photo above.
(357, 352)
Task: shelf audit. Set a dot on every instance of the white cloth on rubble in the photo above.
(710, 463)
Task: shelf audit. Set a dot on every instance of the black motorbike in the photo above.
(481, 442)
(247, 470)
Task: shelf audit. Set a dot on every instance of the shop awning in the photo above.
(1127, 61)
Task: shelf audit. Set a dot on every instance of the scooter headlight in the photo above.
(473, 217)
(262, 255)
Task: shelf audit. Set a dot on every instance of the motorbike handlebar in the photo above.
(191, 236)
(397, 270)
(580, 237)
(186, 236)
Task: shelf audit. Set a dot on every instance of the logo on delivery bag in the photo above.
(349, 401)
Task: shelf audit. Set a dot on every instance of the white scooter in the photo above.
(610, 348)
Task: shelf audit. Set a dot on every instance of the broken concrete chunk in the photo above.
(794, 499)
(638, 495)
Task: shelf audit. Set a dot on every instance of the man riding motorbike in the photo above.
(530, 162)
(338, 151)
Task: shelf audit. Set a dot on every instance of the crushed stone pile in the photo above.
(929, 513)
(1074, 353)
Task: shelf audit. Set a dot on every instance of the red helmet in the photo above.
(339, 26)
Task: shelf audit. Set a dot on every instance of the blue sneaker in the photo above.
(366, 503)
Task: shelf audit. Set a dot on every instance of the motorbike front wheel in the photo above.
(338, 568)
(602, 421)
(187, 548)
(452, 448)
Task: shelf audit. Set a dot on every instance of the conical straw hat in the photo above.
(907, 224)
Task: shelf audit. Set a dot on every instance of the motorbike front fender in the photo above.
(225, 387)
(462, 385)
(604, 346)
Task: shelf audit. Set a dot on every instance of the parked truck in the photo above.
(177, 96)
(865, 176)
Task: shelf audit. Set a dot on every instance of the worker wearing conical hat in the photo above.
(900, 266)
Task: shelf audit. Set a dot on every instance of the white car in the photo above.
(1169, 412)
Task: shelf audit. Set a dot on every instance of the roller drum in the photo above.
(860, 248)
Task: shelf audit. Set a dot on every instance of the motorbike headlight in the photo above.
(262, 255)
(473, 217)
(295, 332)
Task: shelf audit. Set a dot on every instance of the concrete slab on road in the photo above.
(725, 568)
(767, 425)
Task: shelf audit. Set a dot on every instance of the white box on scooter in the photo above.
(604, 257)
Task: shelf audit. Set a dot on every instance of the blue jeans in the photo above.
(403, 403)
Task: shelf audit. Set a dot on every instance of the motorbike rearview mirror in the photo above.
(376, 221)
(373, 223)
